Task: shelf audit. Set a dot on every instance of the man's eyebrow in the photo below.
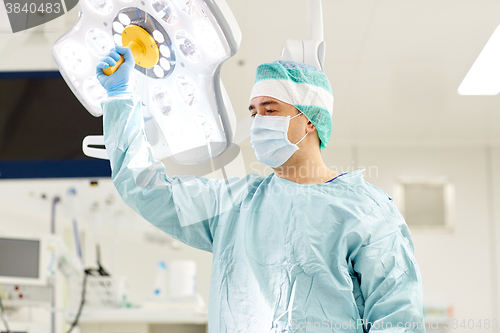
(251, 107)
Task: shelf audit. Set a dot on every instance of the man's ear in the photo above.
(310, 125)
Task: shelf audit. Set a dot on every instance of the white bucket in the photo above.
(182, 274)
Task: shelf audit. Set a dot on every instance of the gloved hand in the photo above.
(118, 82)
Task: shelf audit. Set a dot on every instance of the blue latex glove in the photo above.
(118, 82)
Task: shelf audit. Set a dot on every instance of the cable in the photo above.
(102, 272)
(3, 316)
(82, 302)
(52, 289)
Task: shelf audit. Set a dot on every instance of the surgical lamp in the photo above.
(179, 47)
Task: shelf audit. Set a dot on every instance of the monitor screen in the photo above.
(42, 126)
(19, 258)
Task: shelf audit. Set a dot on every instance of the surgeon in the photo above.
(300, 250)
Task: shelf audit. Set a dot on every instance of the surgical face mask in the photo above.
(269, 139)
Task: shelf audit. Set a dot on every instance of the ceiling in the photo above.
(395, 65)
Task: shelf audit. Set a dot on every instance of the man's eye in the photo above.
(268, 111)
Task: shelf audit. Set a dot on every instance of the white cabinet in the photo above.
(142, 321)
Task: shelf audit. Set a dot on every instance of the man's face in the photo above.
(268, 106)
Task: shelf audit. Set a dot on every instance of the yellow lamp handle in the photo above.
(143, 46)
(111, 69)
(137, 51)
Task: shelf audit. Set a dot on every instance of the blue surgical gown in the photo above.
(333, 257)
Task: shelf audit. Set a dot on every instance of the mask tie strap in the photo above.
(304, 135)
(301, 139)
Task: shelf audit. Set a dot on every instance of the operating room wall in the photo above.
(494, 213)
(453, 264)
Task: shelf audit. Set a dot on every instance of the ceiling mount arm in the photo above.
(315, 19)
(311, 51)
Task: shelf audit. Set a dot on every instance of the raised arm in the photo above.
(187, 208)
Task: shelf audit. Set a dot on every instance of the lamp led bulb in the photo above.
(159, 72)
(124, 19)
(162, 100)
(187, 6)
(206, 126)
(158, 36)
(74, 57)
(187, 90)
(118, 27)
(117, 38)
(98, 42)
(165, 11)
(165, 51)
(187, 46)
(102, 7)
(93, 90)
(165, 64)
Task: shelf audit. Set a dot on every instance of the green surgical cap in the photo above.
(302, 86)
